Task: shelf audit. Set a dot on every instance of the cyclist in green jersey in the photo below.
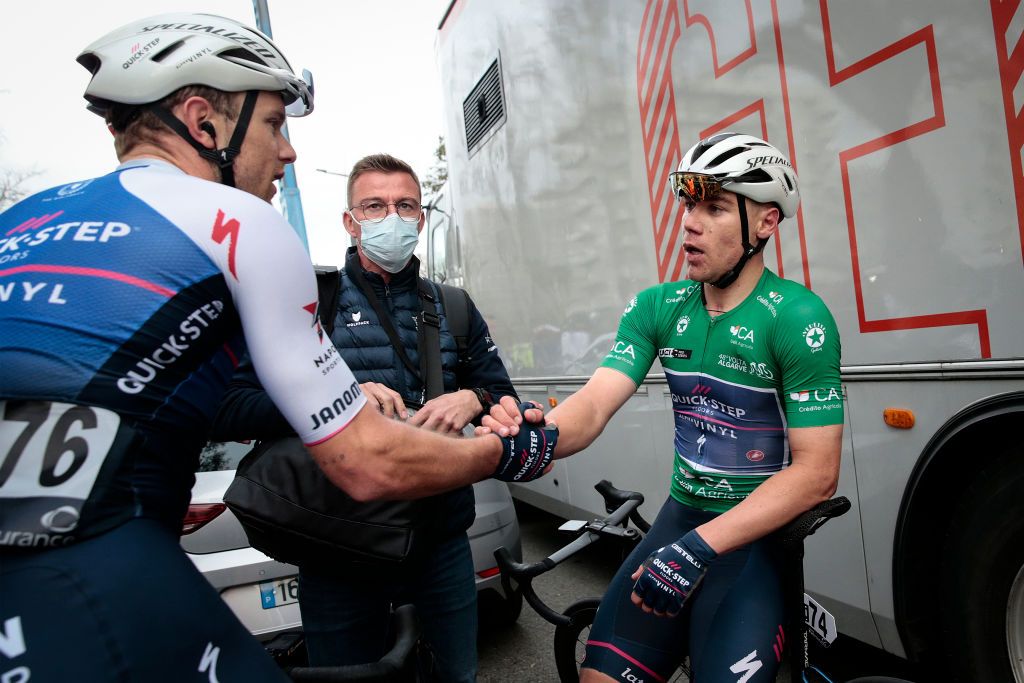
(752, 363)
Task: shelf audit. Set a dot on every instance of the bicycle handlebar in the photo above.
(614, 495)
(625, 505)
(392, 664)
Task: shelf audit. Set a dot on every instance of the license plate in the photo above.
(279, 592)
(819, 621)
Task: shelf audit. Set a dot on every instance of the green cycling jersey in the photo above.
(738, 381)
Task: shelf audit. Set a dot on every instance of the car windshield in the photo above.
(218, 457)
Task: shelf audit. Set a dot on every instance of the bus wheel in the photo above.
(982, 577)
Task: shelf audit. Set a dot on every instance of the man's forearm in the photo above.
(776, 502)
(377, 458)
(579, 423)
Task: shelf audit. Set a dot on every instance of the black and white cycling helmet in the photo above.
(143, 62)
(745, 165)
(148, 59)
(739, 163)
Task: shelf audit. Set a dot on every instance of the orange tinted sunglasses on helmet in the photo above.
(696, 187)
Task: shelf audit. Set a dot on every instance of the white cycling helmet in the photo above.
(743, 164)
(146, 60)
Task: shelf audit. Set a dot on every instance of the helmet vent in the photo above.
(757, 175)
(707, 143)
(167, 51)
(239, 53)
(789, 181)
(725, 156)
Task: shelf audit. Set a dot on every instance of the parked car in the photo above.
(263, 593)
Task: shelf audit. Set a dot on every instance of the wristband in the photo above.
(485, 398)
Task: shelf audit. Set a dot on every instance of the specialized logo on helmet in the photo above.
(240, 38)
(682, 324)
(814, 335)
(768, 160)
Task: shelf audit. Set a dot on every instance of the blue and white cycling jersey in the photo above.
(122, 313)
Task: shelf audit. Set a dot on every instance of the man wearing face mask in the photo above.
(345, 609)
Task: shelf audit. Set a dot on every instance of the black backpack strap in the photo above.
(429, 341)
(328, 286)
(455, 302)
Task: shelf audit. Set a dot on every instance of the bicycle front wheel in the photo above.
(571, 639)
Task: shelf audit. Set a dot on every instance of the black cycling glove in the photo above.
(671, 573)
(526, 455)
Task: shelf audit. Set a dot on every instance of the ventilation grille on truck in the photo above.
(484, 109)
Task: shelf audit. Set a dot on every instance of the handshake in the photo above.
(528, 445)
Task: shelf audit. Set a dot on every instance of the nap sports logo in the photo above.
(682, 324)
(814, 335)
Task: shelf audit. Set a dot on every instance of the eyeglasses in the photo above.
(695, 187)
(375, 210)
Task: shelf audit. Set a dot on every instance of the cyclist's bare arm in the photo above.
(580, 418)
(375, 457)
(810, 479)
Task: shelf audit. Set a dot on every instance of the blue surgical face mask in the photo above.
(390, 242)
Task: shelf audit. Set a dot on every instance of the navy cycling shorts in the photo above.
(732, 626)
(127, 605)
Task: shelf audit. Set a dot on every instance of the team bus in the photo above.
(904, 121)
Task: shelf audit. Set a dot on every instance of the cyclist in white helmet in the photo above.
(752, 363)
(138, 291)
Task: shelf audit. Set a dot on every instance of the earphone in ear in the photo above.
(207, 128)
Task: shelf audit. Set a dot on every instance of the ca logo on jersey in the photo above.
(814, 335)
(624, 348)
(742, 336)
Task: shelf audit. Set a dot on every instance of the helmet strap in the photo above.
(224, 158)
(748, 249)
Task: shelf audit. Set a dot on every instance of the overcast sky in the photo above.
(377, 90)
